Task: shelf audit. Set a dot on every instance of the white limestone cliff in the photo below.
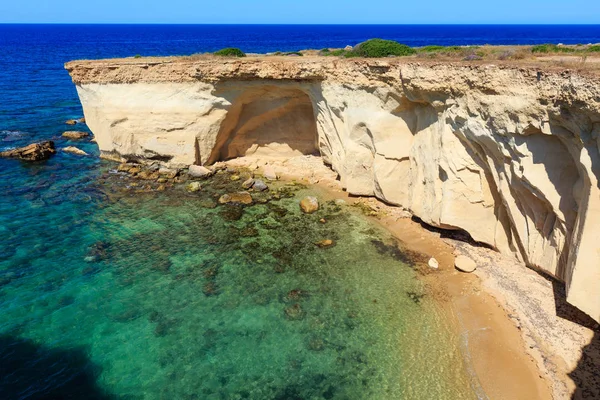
(509, 154)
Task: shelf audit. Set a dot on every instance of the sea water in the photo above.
(170, 295)
(112, 292)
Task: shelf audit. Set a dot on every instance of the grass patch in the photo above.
(551, 48)
(436, 49)
(230, 52)
(594, 48)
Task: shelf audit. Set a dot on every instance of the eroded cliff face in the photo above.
(511, 155)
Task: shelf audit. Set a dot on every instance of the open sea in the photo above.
(108, 293)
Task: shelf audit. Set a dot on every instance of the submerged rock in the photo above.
(239, 197)
(198, 171)
(465, 264)
(210, 289)
(75, 150)
(127, 167)
(309, 204)
(296, 295)
(81, 121)
(168, 173)
(70, 122)
(316, 344)
(232, 212)
(294, 312)
(325, 243)
(259, 185)
(32, 152)
(248, 183)
(148, 175)
(194, 187)
(207, 203)
(75, 135)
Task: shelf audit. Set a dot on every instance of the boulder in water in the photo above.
(294, 312)
(194, 187)
(74, 150)
(75, 135)
(32, 152)
(309, 204)
(199, 171)
(248, 183)
(259, 185)
(70, 122)
(168, 173)
(239, 197)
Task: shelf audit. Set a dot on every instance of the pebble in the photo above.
(433, 263)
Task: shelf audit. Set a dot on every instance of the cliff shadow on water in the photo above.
(32, 371)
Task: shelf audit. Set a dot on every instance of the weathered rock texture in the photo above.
(32, 152)
(509, 154)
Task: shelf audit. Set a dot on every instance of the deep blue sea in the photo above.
(106, 293)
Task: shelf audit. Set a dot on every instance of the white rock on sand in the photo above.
(464, 264)
(198, 171)
(433, 263)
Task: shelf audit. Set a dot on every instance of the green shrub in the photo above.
(439, 49)
(541, 48)
(432, 48)
(230, 52)
(137, 56)
(551, 48)
(293, 53)
(594, 48)
(380, 48)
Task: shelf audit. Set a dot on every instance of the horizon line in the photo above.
(305, 24)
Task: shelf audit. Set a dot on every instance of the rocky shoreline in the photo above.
(543, 341)
(507, 153)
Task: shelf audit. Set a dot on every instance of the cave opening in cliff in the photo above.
(267, 122)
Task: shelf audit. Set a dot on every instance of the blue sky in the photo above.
(301, 11)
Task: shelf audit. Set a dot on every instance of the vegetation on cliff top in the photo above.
(230, 52)
(374, 48)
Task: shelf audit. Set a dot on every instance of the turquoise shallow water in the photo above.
(107, 293)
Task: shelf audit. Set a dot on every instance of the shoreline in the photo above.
(492, 346)
(517, 342)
